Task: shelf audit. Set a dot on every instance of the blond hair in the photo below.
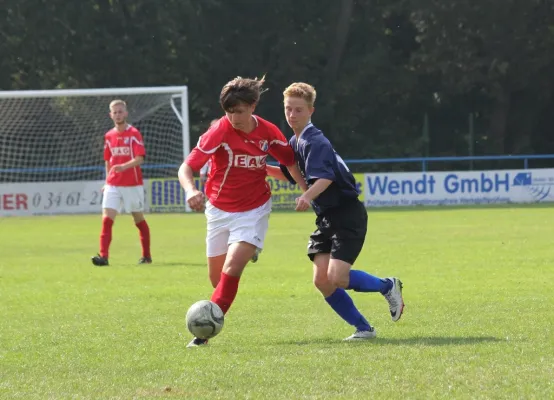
(118, 102)
(303, 91)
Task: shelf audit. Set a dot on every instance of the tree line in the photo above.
(395, 78)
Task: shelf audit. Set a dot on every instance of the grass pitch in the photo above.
(478, 322)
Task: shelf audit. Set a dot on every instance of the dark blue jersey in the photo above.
(317, 159)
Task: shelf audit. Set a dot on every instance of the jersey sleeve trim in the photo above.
(229, 165)
(143, 152)
(207, 151)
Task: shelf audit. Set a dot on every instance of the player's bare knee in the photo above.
(233, 269)
(339, 273)
(234, 264)
(325, 287)
(339, 277)
(320, 282)
(238, 256)
(339, 281)
(109, 212)
(138, 217)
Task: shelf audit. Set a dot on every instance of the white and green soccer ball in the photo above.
(205, 319)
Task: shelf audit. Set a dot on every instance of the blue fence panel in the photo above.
(422, 160)
(425, 160)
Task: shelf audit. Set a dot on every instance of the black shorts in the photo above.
(340, 232)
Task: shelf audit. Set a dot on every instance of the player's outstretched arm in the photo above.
(290, 174)
(107, 164)
(294, 171)
(275, 172)
(186, 177)
(135, 162)
(195, 198)
(303, 202)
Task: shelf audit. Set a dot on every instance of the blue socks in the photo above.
(343, 305)
(361, 281)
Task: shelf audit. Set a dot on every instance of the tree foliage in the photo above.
(379, 66)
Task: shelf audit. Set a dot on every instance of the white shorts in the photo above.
(123, 198)
(226, 228)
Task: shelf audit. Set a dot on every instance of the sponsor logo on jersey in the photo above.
(246, 161)
(121, 151)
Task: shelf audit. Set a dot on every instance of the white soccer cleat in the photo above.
(362, 335)
(196, 342)
(395, 300)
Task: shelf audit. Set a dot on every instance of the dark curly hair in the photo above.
(241, 90)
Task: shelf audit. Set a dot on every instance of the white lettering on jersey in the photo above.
(121, 151)
(251, 162)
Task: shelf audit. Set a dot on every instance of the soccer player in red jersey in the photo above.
(239, 198)
(123, 153)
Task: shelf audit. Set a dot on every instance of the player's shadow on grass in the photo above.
(172, 264)
(412, 341)
(438, 340)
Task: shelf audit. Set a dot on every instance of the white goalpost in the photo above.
(56, 138)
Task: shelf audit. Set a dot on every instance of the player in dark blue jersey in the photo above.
(341, 218)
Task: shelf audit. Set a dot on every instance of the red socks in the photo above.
(226, 291)
(105, 236)
(144, 238)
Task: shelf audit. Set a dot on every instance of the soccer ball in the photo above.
(204, 319)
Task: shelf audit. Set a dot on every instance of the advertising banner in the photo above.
(377, 190)
(459, 188)
(46, 198)
(166, 195)
(283, 194)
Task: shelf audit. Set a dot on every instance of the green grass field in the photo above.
(478, 322)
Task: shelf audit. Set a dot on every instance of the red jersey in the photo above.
(236, 181)
(119, 148)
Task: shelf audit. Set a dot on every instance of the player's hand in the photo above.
(302, 203)
(117, 168)
(195, 200)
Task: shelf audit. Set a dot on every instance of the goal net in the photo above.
(58, 135)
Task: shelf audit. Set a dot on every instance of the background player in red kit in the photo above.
(123, 153)
(239, 198)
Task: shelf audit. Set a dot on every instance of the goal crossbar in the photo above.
(20, 94)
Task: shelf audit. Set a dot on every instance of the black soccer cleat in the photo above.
(145, 260)
(100, 261)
